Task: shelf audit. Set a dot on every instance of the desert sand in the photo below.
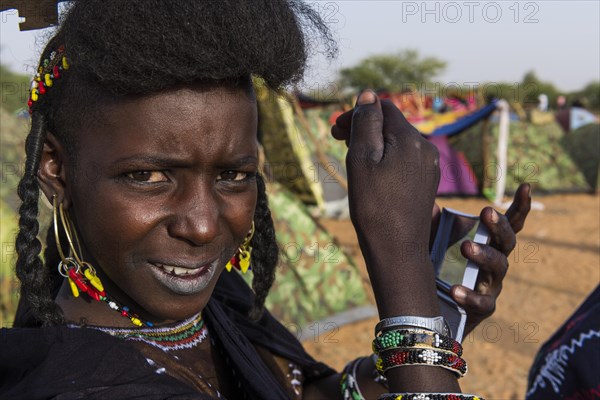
(555, 265)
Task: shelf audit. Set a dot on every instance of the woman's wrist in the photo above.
(402, 284)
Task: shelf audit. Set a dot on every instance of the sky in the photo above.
(481, 41)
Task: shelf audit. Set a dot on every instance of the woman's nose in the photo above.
(195, 216)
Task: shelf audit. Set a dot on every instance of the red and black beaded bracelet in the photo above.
(400, 357)
(428, 396)
(415, 338)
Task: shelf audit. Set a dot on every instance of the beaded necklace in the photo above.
(186, 334)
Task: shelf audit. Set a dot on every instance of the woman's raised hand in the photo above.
(392, 170)
(393, 175)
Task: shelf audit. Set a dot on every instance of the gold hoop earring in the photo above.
(81, 274)
(241, 259)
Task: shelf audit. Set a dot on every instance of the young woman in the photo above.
(143, 138)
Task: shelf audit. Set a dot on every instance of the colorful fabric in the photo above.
(316, 278)
(568, 365)
(456, 175)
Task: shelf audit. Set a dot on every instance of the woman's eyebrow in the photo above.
(150, 160)
(247, 160)
(159, 161)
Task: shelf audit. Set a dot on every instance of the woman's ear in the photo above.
(52, 171)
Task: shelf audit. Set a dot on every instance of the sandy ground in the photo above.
(555, 265)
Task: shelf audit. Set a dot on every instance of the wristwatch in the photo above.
(436, 324)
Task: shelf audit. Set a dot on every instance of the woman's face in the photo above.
(164, 193)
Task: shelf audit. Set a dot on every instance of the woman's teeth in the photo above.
(176, 270)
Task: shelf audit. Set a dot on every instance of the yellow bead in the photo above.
(34, 95)
(94, 280)
(48, 80)
(97, 284)
(74, 288)
(88, 274)
(65, 64)
(244, 264)
(136, 321)
(228, 266)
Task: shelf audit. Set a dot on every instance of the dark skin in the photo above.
(174, 187)
(389, 163)
(187, 198)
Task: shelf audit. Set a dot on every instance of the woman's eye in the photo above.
(147, 176)
(233, 176)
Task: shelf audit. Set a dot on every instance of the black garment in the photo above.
(568, 365)
(71, 363)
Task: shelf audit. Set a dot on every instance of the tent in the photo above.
(543, 155)
(316, 278)
(456, 175)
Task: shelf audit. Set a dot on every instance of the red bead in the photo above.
(78, 281)
(93, 293)
(42, 88)
(55, 72)
(30, 102)
(124, 313)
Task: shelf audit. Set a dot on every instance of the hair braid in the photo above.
(36, 300)
(265, 252)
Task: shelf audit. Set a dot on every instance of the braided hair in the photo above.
(120, 48)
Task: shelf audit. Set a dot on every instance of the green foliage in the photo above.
(14, 90)
(8, 282)
(526, 92)
(394, 72)
(589, 96)
(13, 131)
(12, 136)
(532, 87)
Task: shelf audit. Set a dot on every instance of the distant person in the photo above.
(543, 105)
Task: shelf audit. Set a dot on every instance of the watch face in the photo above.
(436, 324)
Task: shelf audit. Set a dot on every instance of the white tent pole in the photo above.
(502, 157)
(501, 153)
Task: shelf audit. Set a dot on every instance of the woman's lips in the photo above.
(183, 280)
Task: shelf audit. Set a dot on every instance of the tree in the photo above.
(14, 89)
(532, 87)
(589, 95)
(394, 72)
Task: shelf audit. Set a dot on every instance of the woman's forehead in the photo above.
(182, 121)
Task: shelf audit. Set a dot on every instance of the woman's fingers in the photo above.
(492, 264)
(344, 121)
(517, 213)
(366, 133)
(473, 302)
(502, 235)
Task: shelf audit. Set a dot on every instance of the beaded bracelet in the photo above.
(415, 338)
(428, 396)
(400, 357)
(349, 383)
